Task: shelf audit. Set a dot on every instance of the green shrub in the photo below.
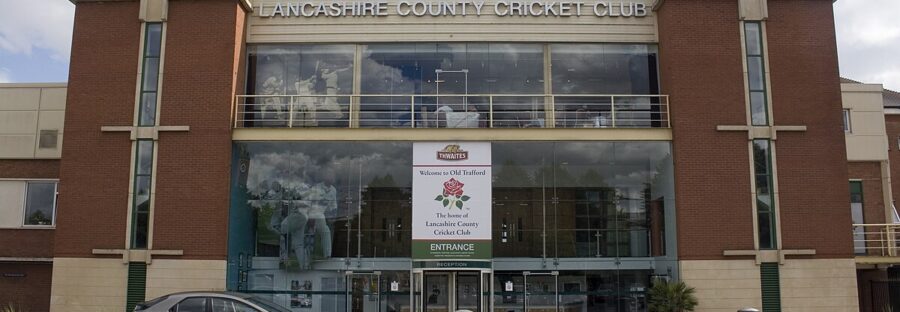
(667, 296)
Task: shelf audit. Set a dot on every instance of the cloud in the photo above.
(868, 39)
(5, 75)
(37, 24)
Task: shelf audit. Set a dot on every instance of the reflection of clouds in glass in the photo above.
(627, 166)
(378, 78)
(492, 68)
(619, 164)
(601, 68)
(298, 165)
(282, 168)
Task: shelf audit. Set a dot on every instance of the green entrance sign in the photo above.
(433, 249)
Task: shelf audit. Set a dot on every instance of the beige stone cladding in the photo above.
(866, 138)
(165, 276)
(28, 110)
(818, 285)
(723, 285)
(88, 284)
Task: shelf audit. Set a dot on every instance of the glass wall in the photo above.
(579, 199)
(317, 76)
(303, 213)
(462, 85)
(454, 76)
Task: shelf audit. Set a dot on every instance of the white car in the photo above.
(208, 301)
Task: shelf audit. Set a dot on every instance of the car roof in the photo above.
(224, 294)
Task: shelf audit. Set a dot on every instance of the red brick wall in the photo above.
(32, 243)
(194, 168)
(812, 170)
(30, 292)
(701, 70)
(892, 123)
(29, 168)
(873, 197)
(26, 243)
(93, 199)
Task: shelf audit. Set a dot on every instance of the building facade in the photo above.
(437, 156)
(869, 112)
(31, 134)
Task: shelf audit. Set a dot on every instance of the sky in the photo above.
(36, 35)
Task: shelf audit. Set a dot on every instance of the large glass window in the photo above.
(40, 203)
(318, 78)
(453, 85)
(604, 69)
(573, 199)
(314, 207)
(584, 75)
(317, 201)
(455, 77)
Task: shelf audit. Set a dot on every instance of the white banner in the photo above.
(451, 200)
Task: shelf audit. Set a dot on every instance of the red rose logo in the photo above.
(453, 187)
(452, 194)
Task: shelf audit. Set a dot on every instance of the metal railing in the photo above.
(452, 111)
(880, 240)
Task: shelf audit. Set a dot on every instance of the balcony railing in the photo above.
(452, 111)
(876, 240)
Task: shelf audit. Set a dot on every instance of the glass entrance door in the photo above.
(526, 292)
(453, 291)
(468, 291)
(541, 292)
(436, 290)
(363, 292)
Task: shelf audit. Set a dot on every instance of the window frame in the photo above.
(206, 303)
(24, 220)
(848, 126)
(764, 87)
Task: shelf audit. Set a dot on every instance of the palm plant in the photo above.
(9, 307)
(667, 296)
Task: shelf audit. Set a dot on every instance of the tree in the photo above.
(667, 296)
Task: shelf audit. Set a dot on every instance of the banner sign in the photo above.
(451, 201)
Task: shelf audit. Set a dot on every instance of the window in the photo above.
(228, 305)
(48, 138)
(756, 73)
(40, 203)
(196, 304)
(765, 201)
(141, 201)
(847, 121)
(150, 77)
(856, 213)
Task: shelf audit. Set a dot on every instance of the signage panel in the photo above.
(451, 201)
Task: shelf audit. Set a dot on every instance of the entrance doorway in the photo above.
(377, 292)
(527, 292)
(452, 291)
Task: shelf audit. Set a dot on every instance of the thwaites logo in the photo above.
(452, 152)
